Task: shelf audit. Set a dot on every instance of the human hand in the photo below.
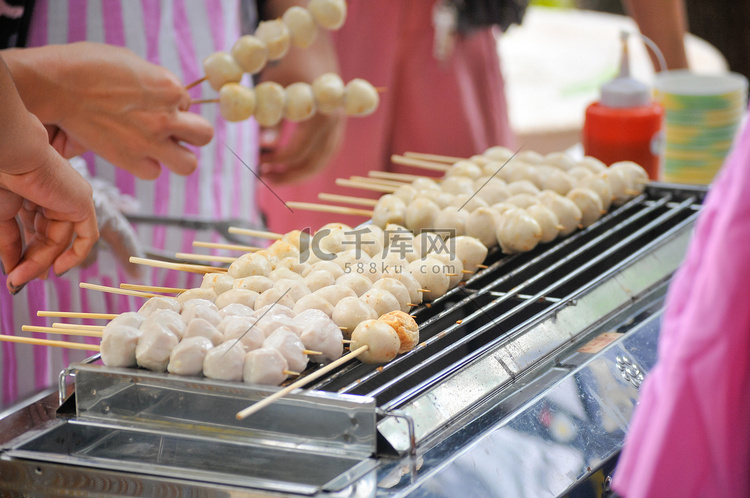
(103, 98)
(51, 203)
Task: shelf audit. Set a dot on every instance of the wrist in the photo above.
(38, 75)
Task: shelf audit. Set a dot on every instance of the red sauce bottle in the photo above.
(625, 125)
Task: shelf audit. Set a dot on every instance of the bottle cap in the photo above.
(625, 91)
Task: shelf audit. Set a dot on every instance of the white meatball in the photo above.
(220, 68)
(547, 221)
(566, 210)
(265, 366)
(210, 314)
(236, 102)
(382, 341)
(323, 336)
(154, 347)
(431, 275)
(517, 231)
(236, 309)
(250, 53)
(579, 173)
(198, 302)
(492, 168)
(328, 90)
(271, 257)
(274, 296)
(190, 294)
(559, 160)
(353, 260)
(470, 251)
(225, 361)
(421, 214)
(360, 98)
(232, 322)
(300, 102)
(119, 344)
(453, 267)
(458, 185)
(330, 14)
(167, 319)
(558, 181)
(159, 303)
(274, 309)
(464, 168)
(318, 279)
(406, 328)
(412, 285)
(592, 164)
(637, 175)
(350, 311)
(297, 288)
(493, 191)
(248, 332)
(335, 293)
(199, 327)
(129, 318)
(282, 249)
(522, 200)
(522, 187)
(450, 222)
(187, 356)
(396, 289)
(290, 346)
(406, 193)
(257, 283)
(389, 209)
(589, 203)
(301, 26)
(529, 156)
(326, 266)
(601, 187)
(370, 239)
(270, 99)
(355, 281)
(380, 300)
(237, 296)
(481, 225)
(219, 282)
(619, 185)
(292, 263)
(498, 153)
(313, 301)
(425, 183)
(248, 265)
(468, 203)
(284, 274)
(275, 34)
(426, 242)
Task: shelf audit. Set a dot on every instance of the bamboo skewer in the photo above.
(328, 208)
(378, 181)
(77, 314)
(204, 101)
(176, 266)
(434, 157)
(59, 331)
(405, 177)
(299, 383)
(358, 201)
(153, 288)
(343, 182)
(418, 163)
(255, 233)
(77, 326)
(205, 257)
(47, 342)
(229, 247)
(196, 83)
(117, 290)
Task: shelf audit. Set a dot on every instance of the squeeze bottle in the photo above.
(625, 124)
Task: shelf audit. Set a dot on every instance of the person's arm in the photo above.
(314, 142)
(39, 187)
(106, 99)
(665, 22)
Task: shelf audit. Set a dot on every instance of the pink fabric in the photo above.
(456, 108)
(177, 34)
(690, 435)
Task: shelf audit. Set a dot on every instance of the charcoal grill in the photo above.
(523, 385)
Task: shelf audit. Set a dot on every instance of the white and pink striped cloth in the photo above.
(177, 34)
